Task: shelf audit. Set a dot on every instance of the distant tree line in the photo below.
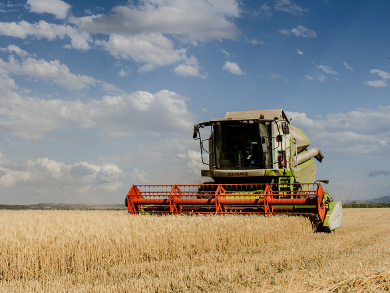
(366, 205)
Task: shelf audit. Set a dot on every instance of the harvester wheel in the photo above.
(321, 211)
(299, 193)
(318, 227)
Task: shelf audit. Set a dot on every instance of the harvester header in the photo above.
(258, 163)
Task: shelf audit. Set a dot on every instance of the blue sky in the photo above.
(98, 95)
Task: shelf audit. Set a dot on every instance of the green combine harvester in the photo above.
(259, 164)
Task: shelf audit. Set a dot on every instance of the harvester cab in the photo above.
(259, 164)
(256, 147)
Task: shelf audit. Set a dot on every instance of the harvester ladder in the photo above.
(285, 186)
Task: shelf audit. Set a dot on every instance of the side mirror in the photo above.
(323, 181)
(196, 130)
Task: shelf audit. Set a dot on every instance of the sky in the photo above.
(96, 96)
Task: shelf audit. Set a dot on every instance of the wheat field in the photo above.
(112, 251)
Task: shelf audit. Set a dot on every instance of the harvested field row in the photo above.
(111, 251)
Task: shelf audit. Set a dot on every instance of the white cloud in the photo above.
(379, 83)
(277, 76)
(44, 173)
(191, 20)
(15, 49)
(154, 50)
(167, 161)
(232, 67)
(226, 53)
(190, 68)
(317, 76)
(119, 114)
(266, 9)
(195, 164)
(187, 70)
(353, 134)
(171, 160)
(147, 33)
(111, 89)
(289, 7)
(42, 29)
(300, 31)
(140, 176)
(377, 172)
(327, 69)
(123, 73)
(347, 66)
(110, 133)
(321, 77)
(299, 52)
(255, 42)
(57, 7)
(47, 71)
(108, 173)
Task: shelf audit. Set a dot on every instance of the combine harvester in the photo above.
(259, 164)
